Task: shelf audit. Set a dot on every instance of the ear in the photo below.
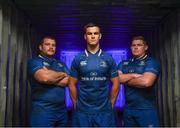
(146, 47)
(100, 36)
(85, 36)
(40, 47)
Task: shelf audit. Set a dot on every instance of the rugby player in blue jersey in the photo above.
(94, 69)
(48, 77)
(138, 75)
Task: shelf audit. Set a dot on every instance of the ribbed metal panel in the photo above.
(167, 49)
(15, 35)
(120, 19)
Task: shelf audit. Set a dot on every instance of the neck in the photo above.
(43, 55)
(139, 57)
(93, 49)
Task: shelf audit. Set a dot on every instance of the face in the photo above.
(48, 47)
(138, 48)
(92, 36)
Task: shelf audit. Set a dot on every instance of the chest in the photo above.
(94, 64)
(53, 65)
(134, 67)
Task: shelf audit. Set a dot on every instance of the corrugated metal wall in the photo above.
(15, 38)
(167, 49)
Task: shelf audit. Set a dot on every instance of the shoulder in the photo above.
(34, 60)
(125, 62)
(60, 63)
(80, 56)
(34, 64)
(107, 56)
(152, 60)
(152, 65)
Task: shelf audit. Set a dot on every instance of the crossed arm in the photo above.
(138, 80)
(51, 77)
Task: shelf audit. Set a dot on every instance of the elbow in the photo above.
(147, 83)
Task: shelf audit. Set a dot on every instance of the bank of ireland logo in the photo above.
(93, 73)
(83, 63)
(103, 64)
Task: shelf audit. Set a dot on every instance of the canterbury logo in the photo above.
(46, 64)
(83, 63)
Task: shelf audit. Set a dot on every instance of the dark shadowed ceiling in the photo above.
(119, 19)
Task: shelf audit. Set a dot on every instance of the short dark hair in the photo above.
(46, 37)
(91, 25)
(139, 38)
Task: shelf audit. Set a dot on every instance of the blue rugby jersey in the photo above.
(140, 98)
(51, 96)
(94, 72)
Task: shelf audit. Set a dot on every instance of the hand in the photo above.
(135, 75)
(62, 75)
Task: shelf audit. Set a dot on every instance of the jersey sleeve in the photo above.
(113, 68)
(33, 66)
(74, 68)
(152, 66)
(120, 66)
(66, 69)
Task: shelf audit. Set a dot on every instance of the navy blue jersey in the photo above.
(94, 72)
(49, 95)
(140, 98)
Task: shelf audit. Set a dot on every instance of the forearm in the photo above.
(73, 94)
(53, 77)
(114, 90)
(145, 80)
(49, 76)
(72, 90)
(124, 78)
(114, 94)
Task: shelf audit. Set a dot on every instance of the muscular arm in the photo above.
(146, 80)
(49, 77)
(114, 90)
(72, 88)
(124, 78)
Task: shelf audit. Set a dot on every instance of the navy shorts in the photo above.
(43, 117)
(101, 119)
(140, 118)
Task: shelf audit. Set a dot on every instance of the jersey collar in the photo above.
(46, 58)
(140, 58)
(87, 53)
